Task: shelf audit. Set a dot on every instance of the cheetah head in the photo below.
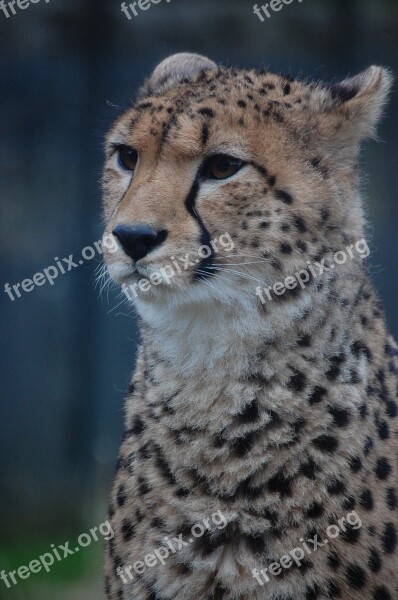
(217, 179)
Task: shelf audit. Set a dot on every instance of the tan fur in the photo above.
(283, 416)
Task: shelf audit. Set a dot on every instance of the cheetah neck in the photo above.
(228, 339)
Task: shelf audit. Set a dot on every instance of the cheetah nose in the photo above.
(139, 240)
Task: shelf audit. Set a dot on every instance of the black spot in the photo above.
(368, 446)
(383, 430)
(137, 427)
(363, 411)
(241, 103)
(302, 246)
(358, 346)
(264, 225)
(250, 414)
(143, 486)
(206, 544)
(144, 452)
(374, 561)
(131, 388)
(342, 92)
(207, 112)
(304, 341)
(157, 523)
(392, 501)
(317, 395)
(334, 561)
(127, 530)
(315, 162)
(111, 547)
(381, 593)
(333, 590)
(278, 116)
(144, 105)
(335, 367)
(340, 416)
(336, 487)
(349, 503)
(284, 196)
(306, 565)
(297, 382)
(366, 500)
(355, 464)
(164, 467)
(153, 596)
(281, 483)
(326, 443)
(309, 469)
(139, 515)
(288, 294)
(351, 535)
(271, 516)
(312, 593)
(354, 377)
(256, 544)
(271, 180)
(107, 586)
(391, 409)
(286, 89)
(383, 468)
(219, 592)
(389, 538)
(121, 496)
(315, 510)
(242, 445)
(286, 248)
(356, 577)
(325, 213)
(300, 224)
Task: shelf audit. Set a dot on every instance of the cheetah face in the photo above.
(219, 180)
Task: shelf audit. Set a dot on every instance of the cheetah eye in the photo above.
(221, 166)
(127, 157)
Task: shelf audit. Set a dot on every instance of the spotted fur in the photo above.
(284, 416)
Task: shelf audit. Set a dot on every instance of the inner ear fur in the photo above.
(350, 110)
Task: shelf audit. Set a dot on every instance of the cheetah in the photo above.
(279, 415)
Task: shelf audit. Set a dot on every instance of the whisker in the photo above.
(246, 275)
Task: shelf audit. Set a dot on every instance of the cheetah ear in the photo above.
(356, 104)
(175, 69)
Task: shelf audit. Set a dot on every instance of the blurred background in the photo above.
(67, 69)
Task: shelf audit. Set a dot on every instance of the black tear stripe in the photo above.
(261, 169)
(205, 266)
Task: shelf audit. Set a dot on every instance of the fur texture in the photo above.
(283, 414)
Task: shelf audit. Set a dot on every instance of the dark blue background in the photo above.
(67, 354)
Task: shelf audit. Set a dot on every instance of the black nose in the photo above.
(138, 241)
